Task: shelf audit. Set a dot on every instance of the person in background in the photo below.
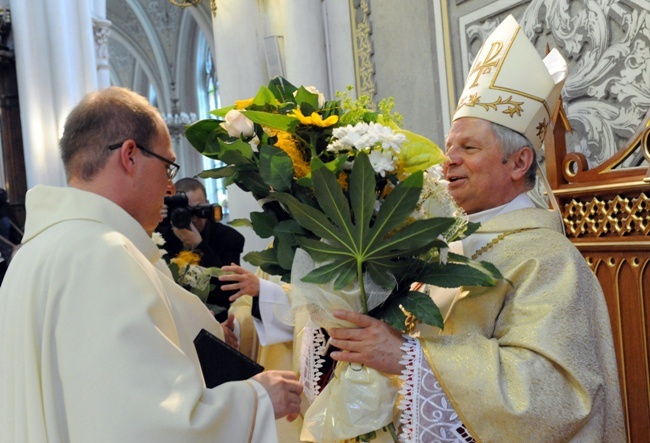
(216, 243)
(531, 359)
(97, 338)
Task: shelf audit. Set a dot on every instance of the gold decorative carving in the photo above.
(615, 217)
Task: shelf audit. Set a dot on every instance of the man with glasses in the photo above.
(97, 338)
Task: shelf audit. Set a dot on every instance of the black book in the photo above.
(221, 362)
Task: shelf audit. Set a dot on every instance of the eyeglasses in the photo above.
(172, 168)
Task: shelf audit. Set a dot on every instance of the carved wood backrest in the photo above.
(606, 212)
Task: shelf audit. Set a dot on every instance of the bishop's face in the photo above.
(478, 178)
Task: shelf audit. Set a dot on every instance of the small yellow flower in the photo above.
(315, 119)
(185, 258)
(243, 104)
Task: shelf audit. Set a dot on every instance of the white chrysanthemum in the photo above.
(157, 238)
(338, 146)
(385, 135)
(382, 162)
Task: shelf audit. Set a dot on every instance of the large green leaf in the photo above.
(282, 89)
(263, 224)
(452, 275)
(258, 258)
(276, 121)
(197, 133)
(276, 168)
(304, 97)
(352, 244)
(225, 171)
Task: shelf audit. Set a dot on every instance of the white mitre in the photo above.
(511, 85)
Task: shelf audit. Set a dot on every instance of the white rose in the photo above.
(237, 124)
(313, 90)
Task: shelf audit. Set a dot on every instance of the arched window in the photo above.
(208, 99)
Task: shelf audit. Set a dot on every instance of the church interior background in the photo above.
(190, 60)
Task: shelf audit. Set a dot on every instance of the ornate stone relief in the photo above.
(101, 31)
(363, 49)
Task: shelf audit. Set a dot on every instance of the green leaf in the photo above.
(282, 90)
(237, 152)
(264, 97)
(307, 101)
(252, 182)
(309, 218)
(240, 223)
(276, 168)
(222, 172)
(275, 121)
(398, 206)
(417, 303)
(329, 194)
(197, 133)
(263, 224)
(414, 236)
(423, 307)
(362, 194)
(175, 270)
(285, 251)
(258, 258)
(341, 272)
(391, 313)
(221, 112)
(453, 275)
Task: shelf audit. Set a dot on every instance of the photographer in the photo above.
(217, 244)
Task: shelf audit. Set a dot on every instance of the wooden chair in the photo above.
(606, 212)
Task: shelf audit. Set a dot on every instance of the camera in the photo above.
(180, 213)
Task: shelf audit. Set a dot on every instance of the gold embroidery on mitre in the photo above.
(513, 107)
(490, 61)
(541, 128)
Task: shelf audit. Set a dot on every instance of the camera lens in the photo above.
(181, 218)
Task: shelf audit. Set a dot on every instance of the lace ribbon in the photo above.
(312, 350)
(410, 380)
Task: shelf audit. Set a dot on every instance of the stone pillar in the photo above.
(241, 70)
(304, 43)
(56, 67)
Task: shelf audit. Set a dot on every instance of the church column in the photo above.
(303, 33)
(241, 70)
(241, 67)
(56, 67)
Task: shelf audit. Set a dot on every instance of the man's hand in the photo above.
(374, 344)
(229, 335)
(189, 237)
(243, 281)
(284, 390)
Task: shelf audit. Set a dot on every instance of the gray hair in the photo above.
(512, 141)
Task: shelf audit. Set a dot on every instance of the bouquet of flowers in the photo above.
(187, 272)
(354, 209)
